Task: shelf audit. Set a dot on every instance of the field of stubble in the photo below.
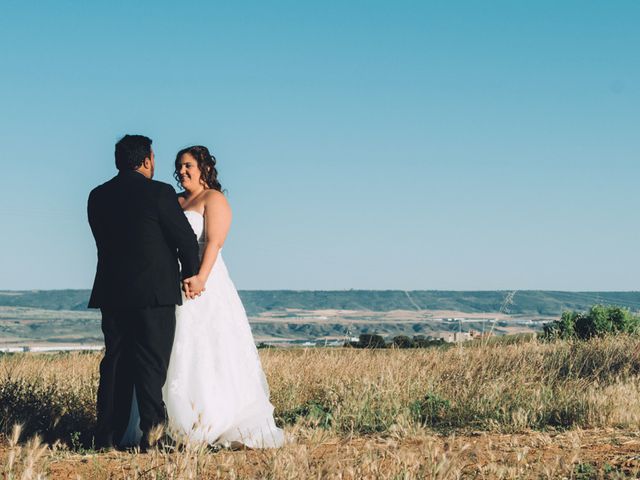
(522, 410)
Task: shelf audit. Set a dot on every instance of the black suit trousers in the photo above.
(138, 344)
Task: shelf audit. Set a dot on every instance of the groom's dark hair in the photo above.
(131, 150)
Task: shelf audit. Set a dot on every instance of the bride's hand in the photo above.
(193, 286)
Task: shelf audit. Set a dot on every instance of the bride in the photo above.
(216, 391)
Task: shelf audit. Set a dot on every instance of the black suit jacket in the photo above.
(141, 232)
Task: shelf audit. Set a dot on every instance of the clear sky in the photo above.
(363, 144)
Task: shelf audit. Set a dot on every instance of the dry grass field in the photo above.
(495, 410)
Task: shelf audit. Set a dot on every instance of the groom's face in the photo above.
(152, 160)
(148, 165)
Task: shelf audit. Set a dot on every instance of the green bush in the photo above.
(402, 341)
(431, 410)
(420, 341)
(600, 320)
(49, 409)
(313, 412)
(368, 340)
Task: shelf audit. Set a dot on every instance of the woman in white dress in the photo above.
(216, 391)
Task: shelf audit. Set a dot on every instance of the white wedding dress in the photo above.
(216, 391)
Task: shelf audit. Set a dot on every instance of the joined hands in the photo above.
(193, 287)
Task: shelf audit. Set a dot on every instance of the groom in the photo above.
(140, 233)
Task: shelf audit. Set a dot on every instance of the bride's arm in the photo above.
(217, 220)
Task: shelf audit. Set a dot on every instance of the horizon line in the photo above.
(358, 290)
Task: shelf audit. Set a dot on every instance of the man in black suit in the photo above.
(140, 233)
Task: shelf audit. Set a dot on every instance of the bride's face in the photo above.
(189, 172)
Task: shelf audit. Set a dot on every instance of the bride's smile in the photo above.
(189, 175)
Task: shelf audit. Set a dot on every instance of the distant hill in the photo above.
(524, 302)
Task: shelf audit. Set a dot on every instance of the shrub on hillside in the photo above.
(420, 341)
(402, 341)
(399, 341)
(368, 340)
(598, 321)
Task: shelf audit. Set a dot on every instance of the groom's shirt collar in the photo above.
(130, 173)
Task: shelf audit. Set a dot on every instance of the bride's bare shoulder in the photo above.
(215, 199)
(211, 195)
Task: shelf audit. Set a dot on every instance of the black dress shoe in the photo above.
(104, 442)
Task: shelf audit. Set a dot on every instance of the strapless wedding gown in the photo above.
(216, 391)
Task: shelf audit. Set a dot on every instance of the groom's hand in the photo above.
(187, 289)
(193, 287)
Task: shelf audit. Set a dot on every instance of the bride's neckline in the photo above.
(194, 211)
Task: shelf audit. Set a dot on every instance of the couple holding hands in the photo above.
(179, 358)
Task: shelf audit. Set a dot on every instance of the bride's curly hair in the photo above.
(206, 164)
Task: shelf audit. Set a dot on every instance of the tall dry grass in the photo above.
(348, 396)
(507, 388)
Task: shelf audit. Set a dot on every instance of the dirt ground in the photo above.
(578, 454)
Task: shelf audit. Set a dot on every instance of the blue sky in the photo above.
(384, 145)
